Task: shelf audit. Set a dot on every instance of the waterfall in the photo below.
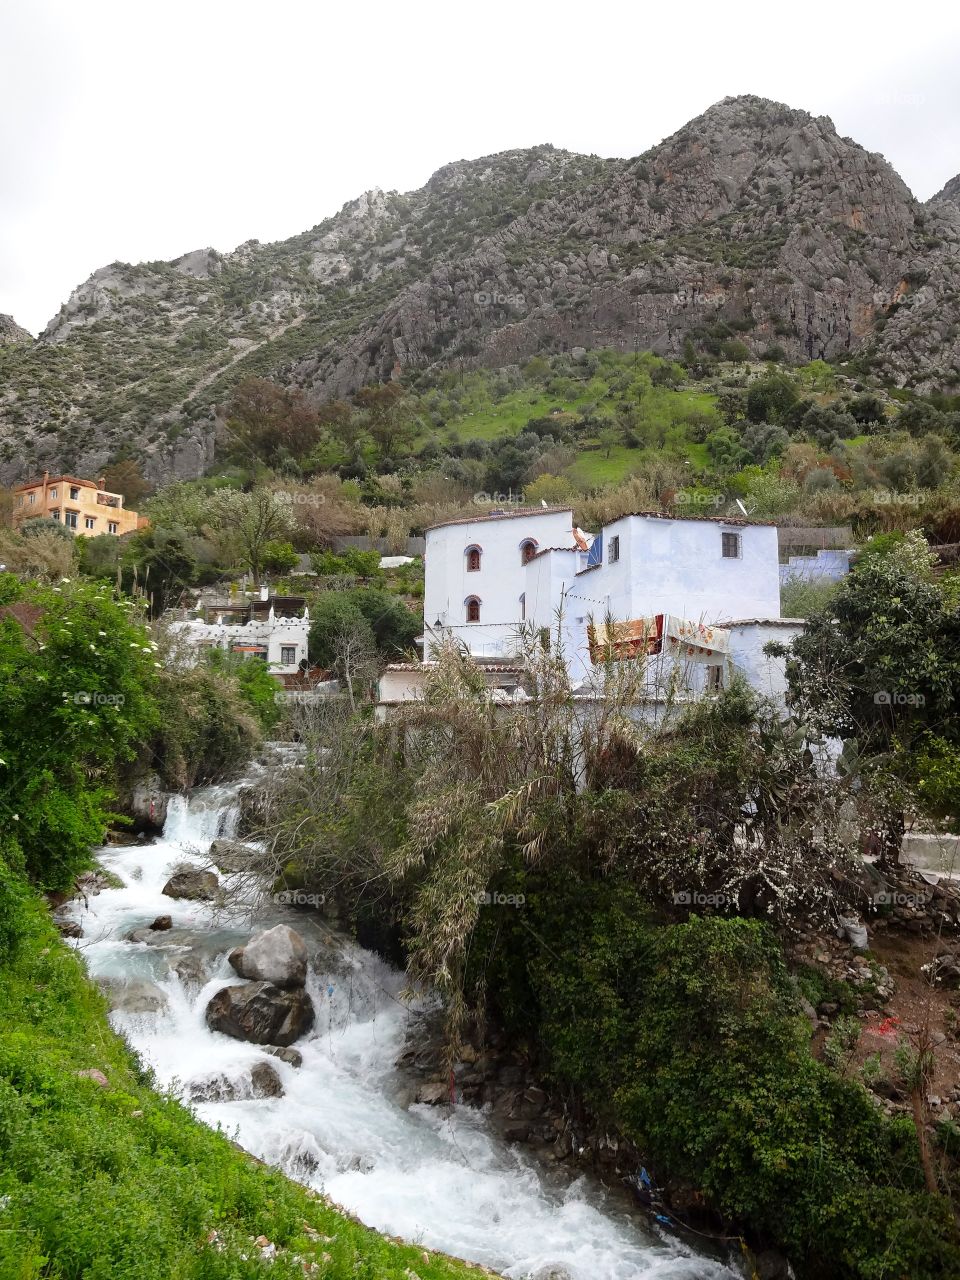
(345, 1123)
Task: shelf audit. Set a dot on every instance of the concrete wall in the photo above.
(824, 566)
(764, 674)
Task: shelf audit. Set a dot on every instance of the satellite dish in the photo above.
(741, 506)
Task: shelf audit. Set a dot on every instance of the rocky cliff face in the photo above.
(754, 223)
(10, 332)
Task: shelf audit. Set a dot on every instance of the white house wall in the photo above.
(498, 584)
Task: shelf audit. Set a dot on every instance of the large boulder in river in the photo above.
(262, 1081)
(276, 955)
(261, 1013)
(192, 883)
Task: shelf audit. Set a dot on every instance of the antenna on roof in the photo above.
(741, 506)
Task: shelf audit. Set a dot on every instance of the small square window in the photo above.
(75, 493)
(70, 519)
(112, 526)
(614, 553)
(730, 545)
(53, 493)
(32, 499)
(288, 655)
(89, 521)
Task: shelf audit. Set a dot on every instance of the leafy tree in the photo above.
(763, 441)
(252, 520)
(387, 416)
(866, 409)
(158, 563)
(334, 616)
(393, 625)
(725, 450)
(256, 686)
(77, 674)
(279, 557)
(879, 667)
(771, 398)
(273, 424)
(126, 478)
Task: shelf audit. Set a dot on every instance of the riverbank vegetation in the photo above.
(614, 892)
(101, 1176)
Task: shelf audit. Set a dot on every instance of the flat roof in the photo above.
(740, 521)
(762, 622)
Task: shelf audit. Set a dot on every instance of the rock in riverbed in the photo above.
(261, 1013)
(276, 955)
(192, 883)
(261, 1082)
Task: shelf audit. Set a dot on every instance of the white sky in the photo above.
(139, 131)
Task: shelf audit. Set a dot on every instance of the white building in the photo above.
(274, 629)
(699, 596)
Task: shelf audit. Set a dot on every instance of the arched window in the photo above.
(473, 609)
(528, 549)
(473, 559)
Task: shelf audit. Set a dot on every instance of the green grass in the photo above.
(597, 467)
(121, 1183)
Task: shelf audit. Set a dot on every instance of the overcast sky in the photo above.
(138, 131)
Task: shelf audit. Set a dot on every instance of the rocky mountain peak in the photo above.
(951, 192)
(753, 226)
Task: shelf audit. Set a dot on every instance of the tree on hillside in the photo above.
(273, 424)
(251, 520)
(771, 398)
(387, 417)
(125, 477)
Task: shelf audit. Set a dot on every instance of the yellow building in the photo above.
(84, 507)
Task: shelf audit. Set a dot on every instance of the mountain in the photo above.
(755, 223)
(11, 332)
(950, 192)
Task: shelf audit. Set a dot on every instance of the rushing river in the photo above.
(345, 1125)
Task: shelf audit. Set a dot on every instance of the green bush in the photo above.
(256, 686)
(77, 673)
(687, 1039)
(207, 729)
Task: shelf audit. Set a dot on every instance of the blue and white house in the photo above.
(697, 596)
